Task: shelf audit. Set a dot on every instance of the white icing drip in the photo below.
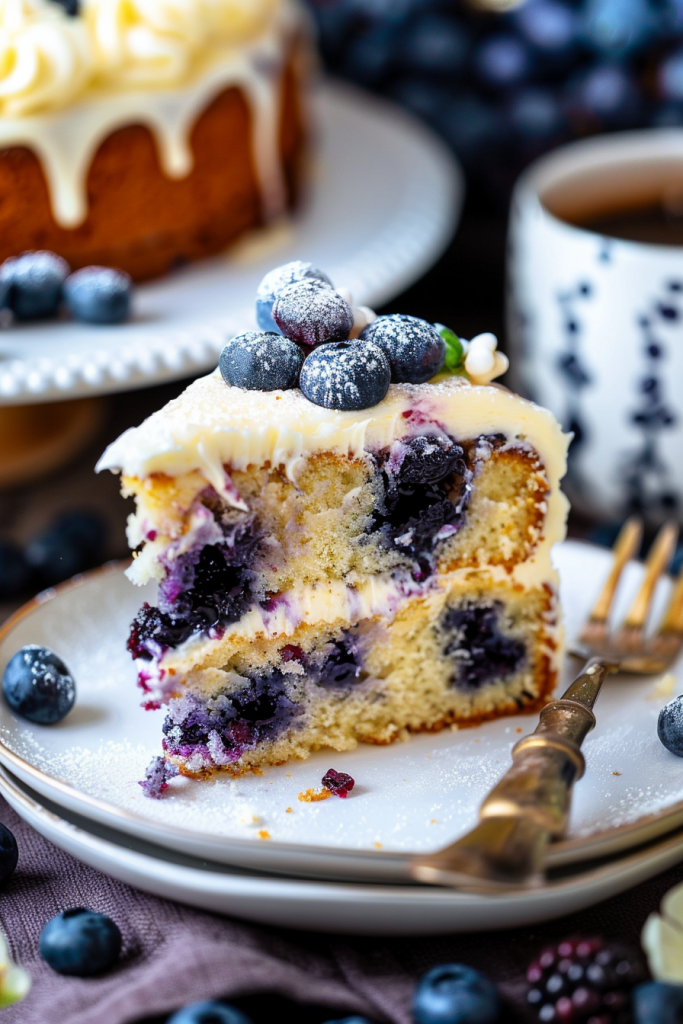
(66, 141)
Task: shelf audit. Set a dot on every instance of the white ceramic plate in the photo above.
(411, 797)
(383, 204)
(328, 906)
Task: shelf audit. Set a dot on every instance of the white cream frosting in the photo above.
(67, 83)
(154, 42)
(45, 57)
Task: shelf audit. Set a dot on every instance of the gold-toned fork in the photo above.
(530, 805)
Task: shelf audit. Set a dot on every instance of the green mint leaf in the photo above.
(455, 353)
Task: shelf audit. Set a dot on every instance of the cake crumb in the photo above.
(263, 834)
(616, 773)
(288, 811)
(664, 687)
(432, 821)
(518, 729)
(378, 846)
(289, 775)
(311, 796)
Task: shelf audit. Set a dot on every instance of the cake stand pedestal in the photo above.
(38, 439)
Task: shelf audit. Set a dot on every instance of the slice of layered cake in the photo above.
(351, 539)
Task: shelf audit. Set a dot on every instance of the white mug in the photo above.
(596, 323)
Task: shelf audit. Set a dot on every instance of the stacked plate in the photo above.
(250, 847)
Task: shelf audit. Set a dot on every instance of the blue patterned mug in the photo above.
(596, 323)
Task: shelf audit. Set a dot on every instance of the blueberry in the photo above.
(455, 994)
(657, 1002)
(73, 542)
(434, 44)
(9, 853)
(312, 313)
(34, 281)
(276, 281)
(80, 942)
(99, 295)
(617, 27)
(38, 685)
(549, 25)
(670, 726)
(208, 1012)
(604, 96)
(472, 126)
(14, 571)
(261, 362)
(502, 61)
(536, 116)
(414, 348)
(346, 376)
(670, 76)
(349, 1020)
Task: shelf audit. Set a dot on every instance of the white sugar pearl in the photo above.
(362, 316)
(345, 294)
(479, 361)
(486, 340)
(502, 364)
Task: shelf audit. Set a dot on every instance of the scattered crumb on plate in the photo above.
(311, 796)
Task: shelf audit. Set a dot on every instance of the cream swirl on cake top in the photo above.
(157, 41)
(45, 57)
(49, 58)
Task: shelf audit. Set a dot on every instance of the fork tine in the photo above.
(625, 548)
(673, 616)
(657, 562)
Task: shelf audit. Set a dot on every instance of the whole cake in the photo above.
(355, 558)
(143, 133)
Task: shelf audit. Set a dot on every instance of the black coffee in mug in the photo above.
(641, 202)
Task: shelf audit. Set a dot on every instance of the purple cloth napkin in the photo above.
(174, 955)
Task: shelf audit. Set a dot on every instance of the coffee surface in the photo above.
(654, 224)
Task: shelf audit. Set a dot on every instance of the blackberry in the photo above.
(584, 980)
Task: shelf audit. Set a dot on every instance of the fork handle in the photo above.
(531, 803)
(546, 764)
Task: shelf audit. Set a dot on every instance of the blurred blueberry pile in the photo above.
(71, 543)
(503, 88)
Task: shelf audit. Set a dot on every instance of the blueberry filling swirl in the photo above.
(424, 493)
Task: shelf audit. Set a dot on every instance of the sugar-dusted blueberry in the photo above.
(657, 1002)
(261, 362)
(455, 994)
(38, 686)
(311, 313)
(80, 942)
(670, 726)
(209, 1012)
(414, 348)
(34, 283)
(9, 853)
(14, 571)
(338, 783)
(99, 295)
(71, 543)
(276, 281)
(345, 376)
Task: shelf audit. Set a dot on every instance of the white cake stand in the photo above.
(383, 205)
